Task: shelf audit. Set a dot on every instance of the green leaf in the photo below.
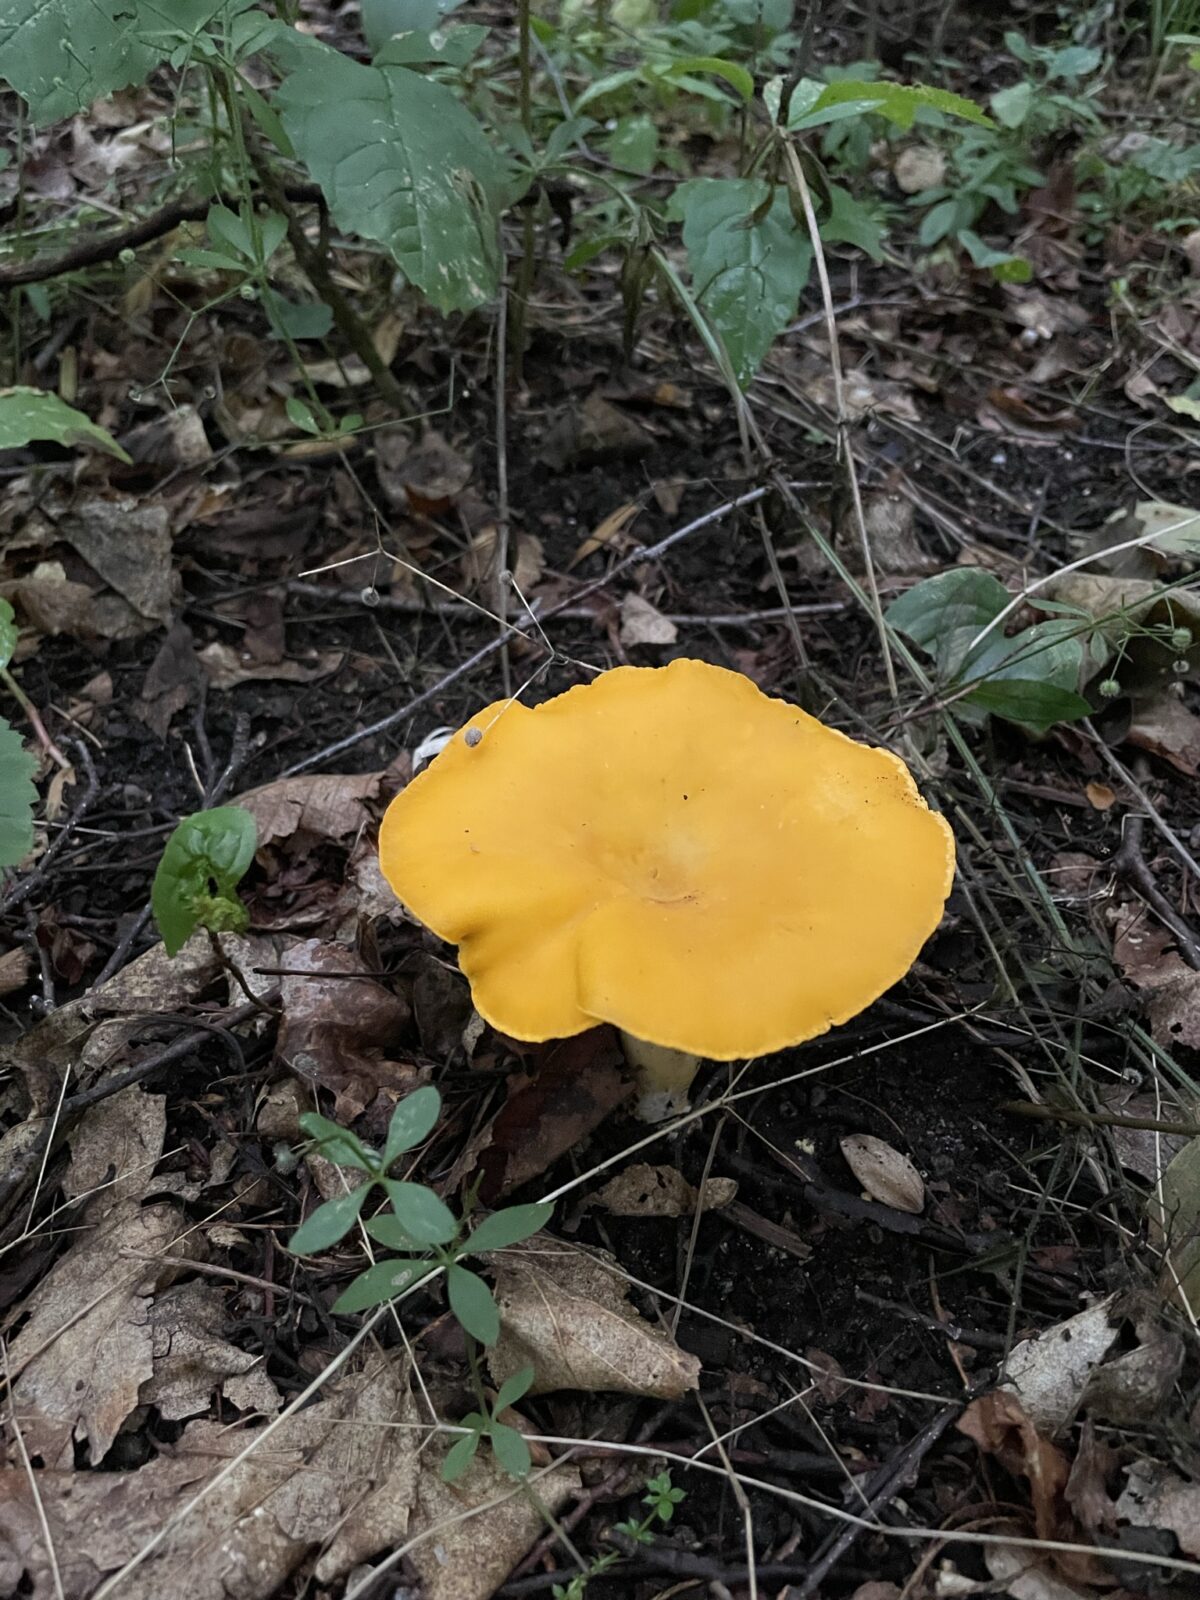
(1011, 106)
(510, 1449)
(338, 1144)
(212, 259)
(460, 1456)
(17, 795)
(898, 102)
(413, 1120)
(1175, 1228)
(329, 1222)
(939, 610)
(381, 1283)
(453, 48)
(383, 19)
(208, 851)
(300, 415)
(634, 144)
(938, 221)
(509, 1227)
(401, 161)
(512, 1389)
(225, 227)
(30, 414)
(306, 319)
(9, 632)
(63, 54)
(1030, 702)
(738, 79)
(747, 267)
(422, 1215)
(850, 222)
(471, 1302)
(1004, 266)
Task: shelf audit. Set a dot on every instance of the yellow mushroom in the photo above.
(670, 850)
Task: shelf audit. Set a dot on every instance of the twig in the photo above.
(95, 252)
(1130, 864)
(1038, 1112)
(651, 553)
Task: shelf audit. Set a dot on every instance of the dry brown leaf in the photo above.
(646, 1191)
(642, 623)
(566, 1314)
(14, 970)
(226, 667)
(1156, 1497)
(1143, 1150)
(340, 1471)
(432, 474)
(1026, 1576)
(127, 543)
(1165, 727)
(919, 166)
(1101, 796)
(1049, 1373)
(88, 1344)
(469, 1559)
(337, 1030)
(608, 530)
(889, 520)
(324, 806)
(591, 434)
(1145, 954)
(114, 1148)
(998, 1424)
(192, 1358)
(526, 562)
(885, 1174)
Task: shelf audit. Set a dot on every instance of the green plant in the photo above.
(418, 1222)
(508, 1443)
(31, 415)
(662, 1498)
(17, 797)
(195, 885)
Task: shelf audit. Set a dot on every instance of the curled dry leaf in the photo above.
(226, 667)
(885, 1174)
(1049, 1373)
(566, 1314)
(1146, 956)
(646, 1191)
(1000, 1426)
(323, 806)
(642, 623)
(1165, 727)
(1156, 1497)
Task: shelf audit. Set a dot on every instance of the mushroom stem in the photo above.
(664, 1077)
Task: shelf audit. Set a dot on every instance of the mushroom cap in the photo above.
(670, 850)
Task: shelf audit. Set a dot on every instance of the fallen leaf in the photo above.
(592, 434)
(1174, 1211)
(87, 1345)
(646, 1191)
(1101, 796)
(1049, 1373)
(115, 1147)
(432, 474)
(889, 520)
(918, 167)
(608, 530)
(172, 681)
(1143, 1150)
(1026, 1576)
(567, 1314)
(1156, 1497)
(472, 1555)
(831, 1385)
(338, 1031)
(320, 807)
(127, 543)
(885, 1174)
(999, 1425)
(1008, 411)
(1093, 1468)
(1165, 727)
(1145, 955)
(193, 1358)
(576, 1084)
(226, 667)
(1130, 1390)
(642, 624)
(14, 970)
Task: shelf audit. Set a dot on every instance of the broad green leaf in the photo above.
(300, 415)
(453, 48)
(939, 221)
(17, 796)
(383, 19)
(196, 882)
(738, 79)
(63, 54)
(850, 222)
(308, 319)
(27, 415)
(401, 161)
(1003, 265)
(460, 1456)
(634, 144)
(748, 259)
(508, 1227)
(510, 1449)
(898, 102)
(765, 16)
(338, 1144)
(1074, 61)
(329, 1222)
(423, 1215)
(213, 259)
(932, 611)
(471, 1302)
(227, 228)
(381, 1283)
(1175, 1228)
(1012, 105)
(413, 1120)
(1030, 702)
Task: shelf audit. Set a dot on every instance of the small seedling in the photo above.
(420, 1223)
(508, 1445)
(661, 1498)
(196, 883)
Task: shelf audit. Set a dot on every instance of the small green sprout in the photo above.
(196, 883)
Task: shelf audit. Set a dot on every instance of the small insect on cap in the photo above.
(670, 850)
